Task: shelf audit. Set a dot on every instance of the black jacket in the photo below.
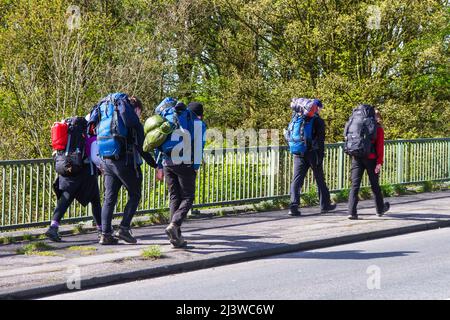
(318, 134)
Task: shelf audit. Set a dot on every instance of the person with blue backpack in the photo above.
(120, 136)
(306, 138)
(179, 159)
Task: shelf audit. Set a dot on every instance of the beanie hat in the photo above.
(197, 108)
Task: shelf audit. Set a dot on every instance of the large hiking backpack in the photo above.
(69, 157)
(299, 132)
(180, 118)
(360, 131)
(111, 130)
(165, 104)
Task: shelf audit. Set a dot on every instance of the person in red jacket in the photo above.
(372, 164)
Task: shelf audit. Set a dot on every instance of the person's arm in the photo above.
(379, 145)
(199, 159)
(129, 117)
(320, 136)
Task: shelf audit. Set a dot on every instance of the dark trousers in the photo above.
(117, 173)
(358, 167)
(301, 165)
(66, 200)
(181, 184)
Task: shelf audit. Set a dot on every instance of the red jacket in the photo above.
(379, 146)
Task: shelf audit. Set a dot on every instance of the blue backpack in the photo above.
(111, 130)
(299, 134)
(179, 118)
(165, 104)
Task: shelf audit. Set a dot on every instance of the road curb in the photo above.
(218, 261)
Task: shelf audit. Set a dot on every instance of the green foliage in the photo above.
(310, 198)
(400, 189)
(82, 248)
(79, 229)
(35, 248)
(282, 203)
(264, 206)
(365, 193)
(341, 196)
(7, 240)
(138, 223)
(387, 190)
(427, 186)
(27, 237)
(152, 252)
(243, 59)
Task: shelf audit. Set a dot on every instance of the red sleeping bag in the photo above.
(59, 135)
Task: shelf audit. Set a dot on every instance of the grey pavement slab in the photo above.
(212, 242)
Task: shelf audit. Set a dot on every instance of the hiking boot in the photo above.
(126, 235)
(172, 231)
(180, 243)
(108, 239)
(386, 208)
(330, 207)
(294, 212)
(175, 238)
(353, 217)
(52, 234)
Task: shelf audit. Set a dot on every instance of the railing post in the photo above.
(272, 172)
(448, 159)
(400, 162)
(341, 162)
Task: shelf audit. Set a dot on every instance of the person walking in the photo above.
(80, 184)
(306, 139)
(121, 154)
(370, 161)
(181, 172)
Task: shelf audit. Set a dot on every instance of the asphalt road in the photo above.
(413, 266)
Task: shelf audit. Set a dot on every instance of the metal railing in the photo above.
(228, 176)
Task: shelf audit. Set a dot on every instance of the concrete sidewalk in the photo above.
(212, 242)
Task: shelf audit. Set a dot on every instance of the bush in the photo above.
(282, 203)
(310, 198)
(400, 189)
(387, 190)
(365, 193)
(427, 186)
(341, 196)
(264, 206)
(152, 252)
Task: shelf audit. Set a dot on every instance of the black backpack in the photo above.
(69, 162)
(360, 131)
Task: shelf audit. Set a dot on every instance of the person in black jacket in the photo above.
(125, 171)
(313, 159)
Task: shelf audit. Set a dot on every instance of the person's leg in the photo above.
(357, 172)
(62, 205)
(112, 187)
(186, 179)
(133, 184)
(64, 201)
(300, 169)
(375, 185)
(174, 188)
(97, 209)
(324, 194)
